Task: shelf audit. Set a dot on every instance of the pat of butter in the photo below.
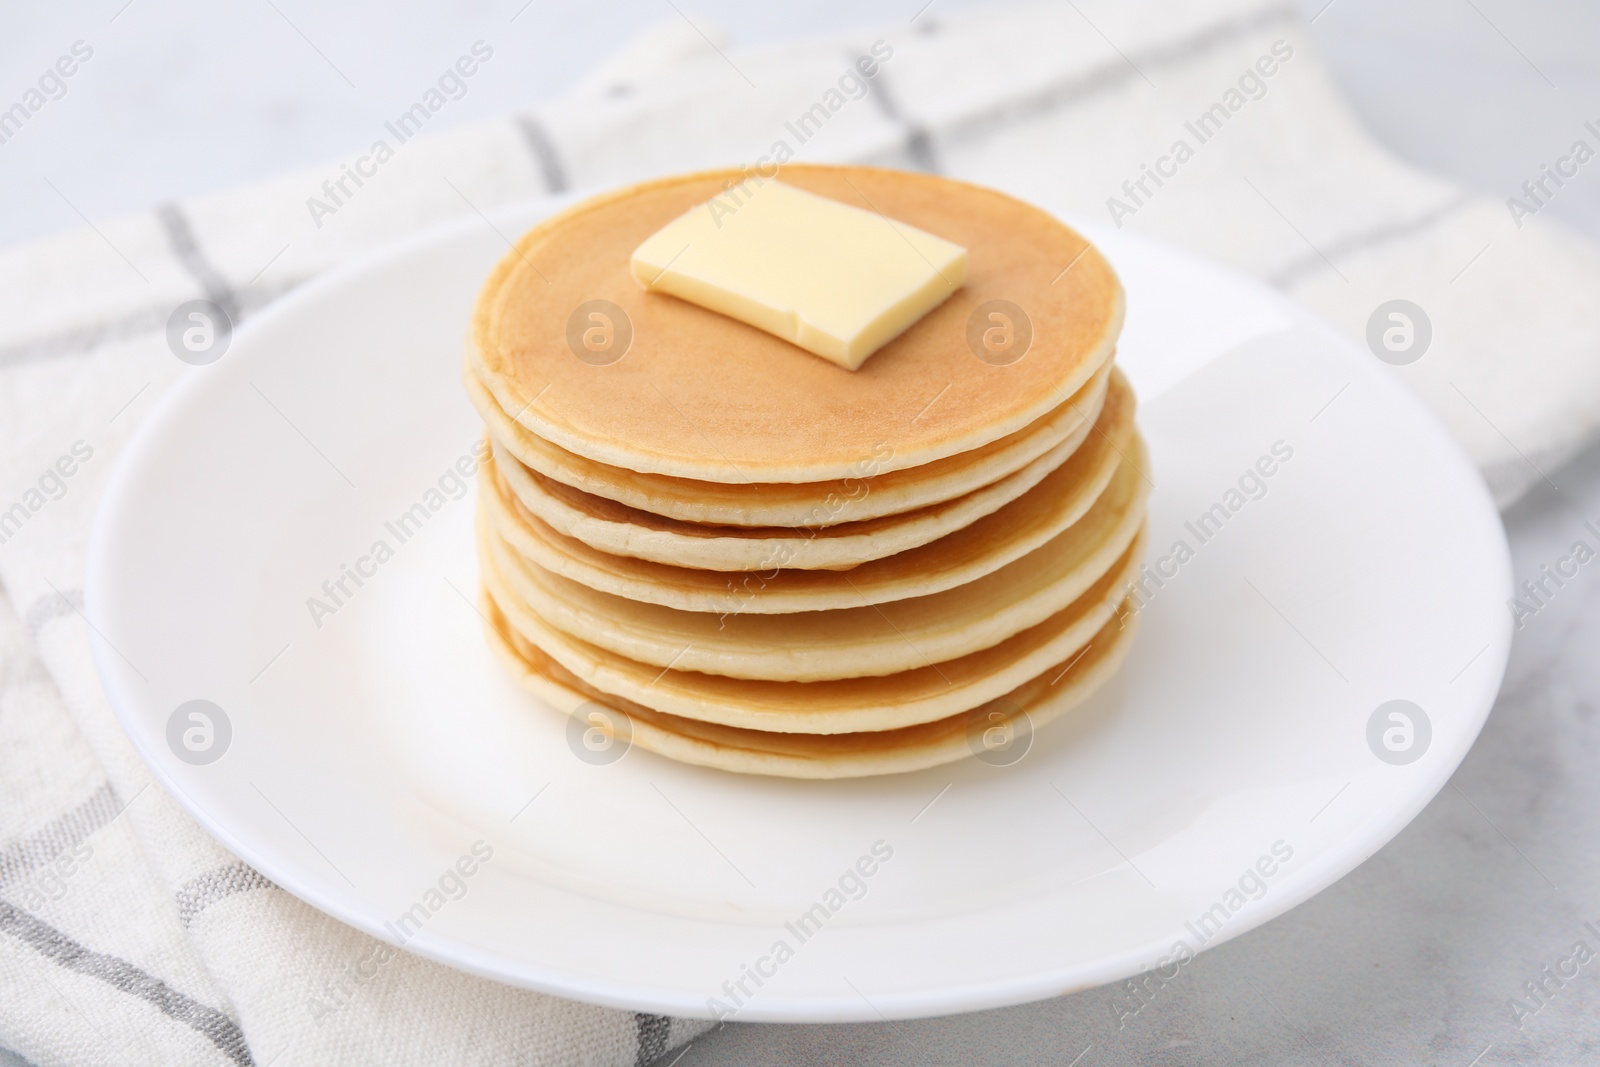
(836, 280)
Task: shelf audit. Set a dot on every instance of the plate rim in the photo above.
(1321, 872)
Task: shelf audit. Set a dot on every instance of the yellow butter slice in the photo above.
(836, 280)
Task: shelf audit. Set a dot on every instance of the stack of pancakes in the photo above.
(752, 559)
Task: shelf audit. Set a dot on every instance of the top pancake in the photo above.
(699, 395)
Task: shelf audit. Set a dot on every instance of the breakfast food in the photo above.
(767, 532)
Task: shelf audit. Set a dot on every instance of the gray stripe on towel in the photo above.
(81, 340)
(220, 884)
(919, 142)
(28, 854)
(51, 606)
(1309, 266)
(654, 1032)
(186, 246)
(544, 153)
(1078, 87)
(118, 973)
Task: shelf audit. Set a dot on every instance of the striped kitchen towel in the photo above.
(127, 935)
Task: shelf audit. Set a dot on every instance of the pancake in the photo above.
(986, 545)
(766, 563)
(1029, 707)
(872, 639)
(701, 396)
(847, 705)
(623, 531)
(809, 504)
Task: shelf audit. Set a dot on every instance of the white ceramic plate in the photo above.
(371, 748)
